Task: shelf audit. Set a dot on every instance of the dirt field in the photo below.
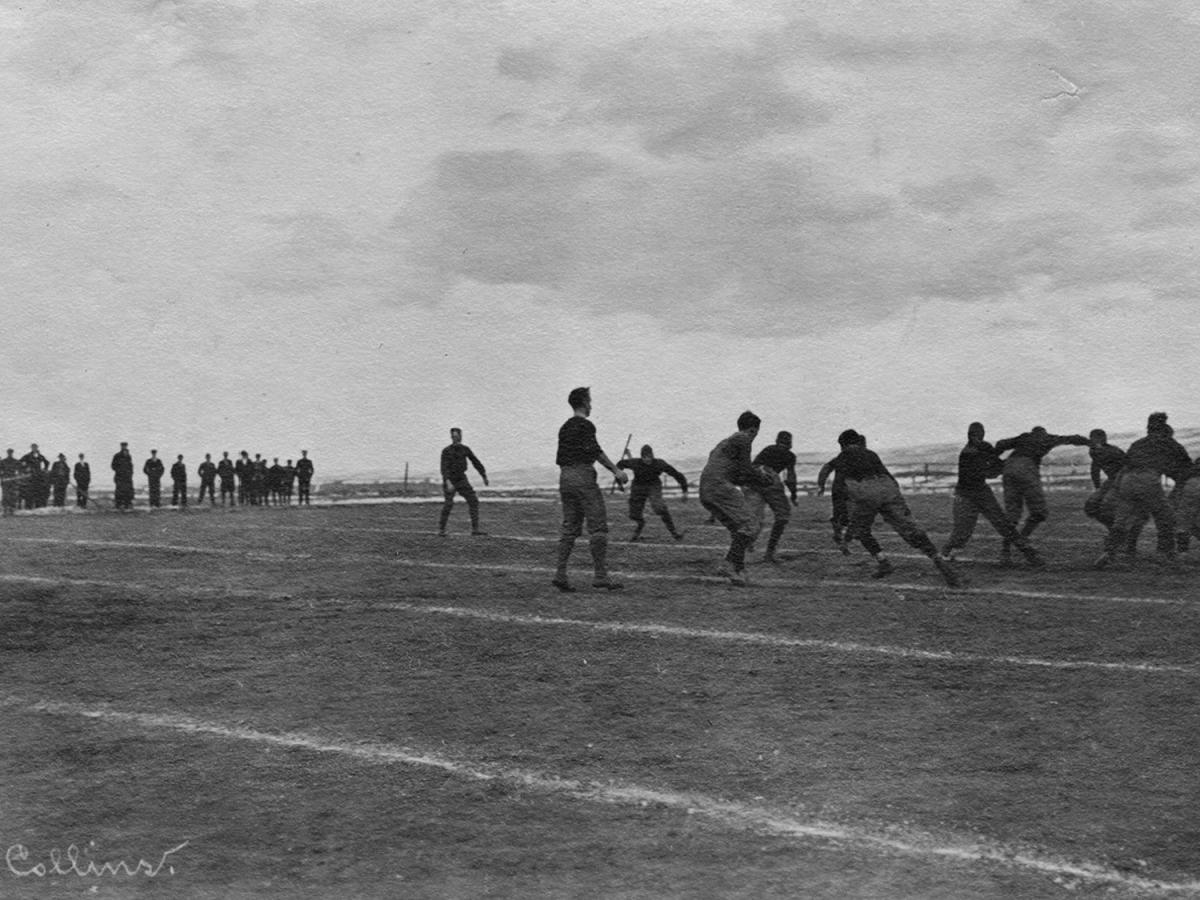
(335, 702)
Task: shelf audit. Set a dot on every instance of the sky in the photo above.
(349, 226)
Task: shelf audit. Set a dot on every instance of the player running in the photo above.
(977, 462)
(778, 461)
(727, 470)
(874, 492)
(1023, 480)
(1140, 492)
(647, 486)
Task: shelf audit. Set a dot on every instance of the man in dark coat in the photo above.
(178, 482)
(153, 470)
(83, 479)
(60, 479)
(122, 467)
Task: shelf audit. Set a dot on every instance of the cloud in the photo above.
(698, 98)
(526, 64)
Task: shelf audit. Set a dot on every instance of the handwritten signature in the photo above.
(72, 861)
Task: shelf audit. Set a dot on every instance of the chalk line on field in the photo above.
(774, 640)
(172, 548)
(835, 582)
(651, 628)
(729, 813)
(642, 575)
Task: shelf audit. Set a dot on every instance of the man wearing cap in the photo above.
(153, 469)
(60, 479)
(122, 467)
(647, 486)
(226, 474)
(83, 480)
(11, 476)
(35, 488)
(304, 476)
(207, 471)
(178, 482)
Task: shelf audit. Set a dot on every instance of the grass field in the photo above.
(334, 702)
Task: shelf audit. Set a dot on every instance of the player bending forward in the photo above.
(647, 486)
(874, 492)
(727, 470)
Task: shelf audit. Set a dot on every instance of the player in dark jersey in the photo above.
(455, 457)
(840, 513)
(1140, 493)
(874, 492)
(779, 462)
(582, 500)
(11, 476)
(977, 462)
(647, 486)
(1022, 480)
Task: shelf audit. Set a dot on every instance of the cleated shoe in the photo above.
(1034, 560)
(607, 584)
(883, 569)
(770, 557)
(563, 585)
(678, 535)
(947, 572)
(738, 578)
(1103, 560)
(478, 533)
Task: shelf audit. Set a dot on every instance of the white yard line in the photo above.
(773, 640)
(172, 548)
(753, 817)
(643, 575)
(658, 629)
(787, 584)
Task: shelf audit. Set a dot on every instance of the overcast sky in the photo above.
(347, 226)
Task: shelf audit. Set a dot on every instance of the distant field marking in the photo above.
(650, 628)
(771, 640)
(836, 582)
(729, 813)
(640, 575)
(172, 548)
(661, 544)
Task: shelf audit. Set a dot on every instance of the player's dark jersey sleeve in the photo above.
(669, 469)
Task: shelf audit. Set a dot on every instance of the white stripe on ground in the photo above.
(821, 582)
(664, 543)
(656, 629)
(172, 548)
(640, 575)
(774, 640)
(728, 813)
